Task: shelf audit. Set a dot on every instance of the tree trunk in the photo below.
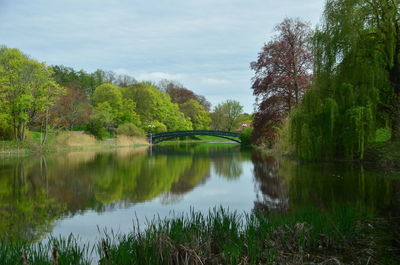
(46, 126)
(19, 131)
(395, 79)
(15, 129)
(396, 119)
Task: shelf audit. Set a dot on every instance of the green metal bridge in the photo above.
(165, 136)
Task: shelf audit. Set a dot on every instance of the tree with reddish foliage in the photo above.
(269, 115)
(282, 74)
(179, 94)
(71, 110)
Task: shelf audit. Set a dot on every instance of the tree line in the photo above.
(330, 92)
(37, 97)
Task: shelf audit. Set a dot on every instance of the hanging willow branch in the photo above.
(357, 80)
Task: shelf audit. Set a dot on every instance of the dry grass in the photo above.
(78, 139)
(123, 140)
(66, 139)
(124, 152)
(76, 158)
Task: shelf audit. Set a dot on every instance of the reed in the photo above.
(55, 251)
(347, 236)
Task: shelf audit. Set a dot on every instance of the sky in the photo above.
(207, 45)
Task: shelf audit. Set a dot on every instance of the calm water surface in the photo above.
(84, 192)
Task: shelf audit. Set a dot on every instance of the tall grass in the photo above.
(82, 141)
(14, 148)
(74, 139)
(224, 237)
(123, 140)
(56, 251)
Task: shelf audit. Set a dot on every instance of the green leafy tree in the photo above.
(26, 89)
(357, 80)
(198, 115)
(130, 129)
(226, 114)
(6, 130)
(127, 113)
(5, 125)
(155, 127)
(245, 136)
(244, 118)
(108, 93)
(102, 120)
(155, 105)
(80, 81)
(87, 82)
(111, 109)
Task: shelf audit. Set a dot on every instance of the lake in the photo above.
(86, 193)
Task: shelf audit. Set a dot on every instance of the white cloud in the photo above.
(216, 82)
(207, 45)
(122, 71)
(157, 76)
(150, 76)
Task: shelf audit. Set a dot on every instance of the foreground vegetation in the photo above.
(347, 236)
(67, 141)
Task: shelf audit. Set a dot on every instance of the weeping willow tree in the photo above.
(357, 80)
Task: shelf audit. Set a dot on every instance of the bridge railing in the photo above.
(195, 132)
(158, 137)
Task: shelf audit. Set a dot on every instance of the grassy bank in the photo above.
(11, 148)
(347, 236)
(67, 141)
(384, 154)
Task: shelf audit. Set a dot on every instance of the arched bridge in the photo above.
(165, 136)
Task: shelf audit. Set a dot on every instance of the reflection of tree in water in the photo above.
(34, 193)
(271, 187)
(226, 158)
(329, 185)
(170, 198)
(228, 167)
(325, 186)
(197, 174)
(395, 221)
(26, 210)
(396, 192)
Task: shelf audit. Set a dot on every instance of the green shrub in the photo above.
(6, 132)
(97, 129)
(245, 136)
(156, 127)
(382, 135)
(129, 129)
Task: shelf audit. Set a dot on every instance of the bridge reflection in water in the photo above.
(165, 136)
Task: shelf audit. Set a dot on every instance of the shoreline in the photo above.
(15, 150)
(383, 156)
